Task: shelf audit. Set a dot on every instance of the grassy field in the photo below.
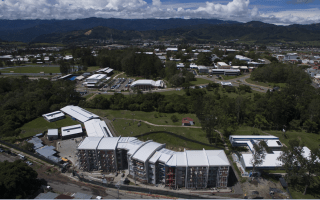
(159, 119)
(200, 81)
(265, 84)
(127, 128)
(40, 125)
(247, 130)
(93, 68)
(28, 69)
(311, 140)
(226, 77)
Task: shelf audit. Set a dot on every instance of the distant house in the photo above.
(187, 121)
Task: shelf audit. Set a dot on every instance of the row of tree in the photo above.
(22, 100)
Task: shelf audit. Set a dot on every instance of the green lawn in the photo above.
(40, 125)
(247, 130)
(226, 77)
(265, 84)
(164, 119)
(125, 130)
(311, 140)
(200, 81)
(29, 69)
(93, 68)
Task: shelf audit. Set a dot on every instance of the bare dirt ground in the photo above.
(261, 187)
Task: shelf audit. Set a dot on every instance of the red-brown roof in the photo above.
(185, 121)
(188, 118)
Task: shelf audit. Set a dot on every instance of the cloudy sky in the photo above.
(281, 12)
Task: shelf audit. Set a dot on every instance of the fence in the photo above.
(179, 136)
(31, 154)
(140, 189)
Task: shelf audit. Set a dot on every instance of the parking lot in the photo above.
(119, 84)
(68, 149)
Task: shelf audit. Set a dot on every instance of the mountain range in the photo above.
(27, 30)
(125, 30)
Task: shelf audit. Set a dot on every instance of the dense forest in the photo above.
(201, 33)
(22, 100)
(296, 106)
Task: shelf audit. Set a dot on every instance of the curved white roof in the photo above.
(146, 151)
(153, 83)
(97, 128)
(80, 114)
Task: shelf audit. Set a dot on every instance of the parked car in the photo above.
(29, 163)
(1, 150)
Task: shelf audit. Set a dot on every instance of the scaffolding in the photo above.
(139, 171)
(160, 173)
(106, 160)
(171, 177)
(212, 177)
(222, 177)
(197, 177)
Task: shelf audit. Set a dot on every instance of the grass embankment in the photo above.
(152, 117)
(175, 143)
(271, 85)
(311, 140)
(31, 69)
(40, 125)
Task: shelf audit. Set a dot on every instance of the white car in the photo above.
(29, 163)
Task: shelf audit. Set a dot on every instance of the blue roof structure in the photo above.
(36, 142)
(79, 195)
(48, 195)
(46, 151)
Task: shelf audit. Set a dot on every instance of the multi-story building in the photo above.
(150, 162)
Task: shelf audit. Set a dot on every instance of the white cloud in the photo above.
(237, 10)
(156, 3)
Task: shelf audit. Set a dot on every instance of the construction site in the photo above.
(150, 162)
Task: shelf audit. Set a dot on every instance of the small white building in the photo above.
(78, 113)
(71, 131)
(226, 84)
(52, 134)
(223, 65)
(203, 69)
(53, 116)
(147, 84)
(97, 128)
(96, 78)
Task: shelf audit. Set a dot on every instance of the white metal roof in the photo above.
(146, 150)
(97, 76)
(53, 115)
(196, 158)
(53, 132)
(71, 130)
(269, 161)
(163, 155)
(80, 78)
(172, 161)
(181, 159)
(97, 128)
(217, 158)
(147, 82)
(274, 143)
(108, 143)
(222, 63)
(89, 143)
(80, 114)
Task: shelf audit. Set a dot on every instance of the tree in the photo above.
(174, 118)
(258, 156)
(17, 180)
(64, 67)
(301, 168)
(204, 59)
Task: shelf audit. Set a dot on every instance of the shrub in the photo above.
(174, 118)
